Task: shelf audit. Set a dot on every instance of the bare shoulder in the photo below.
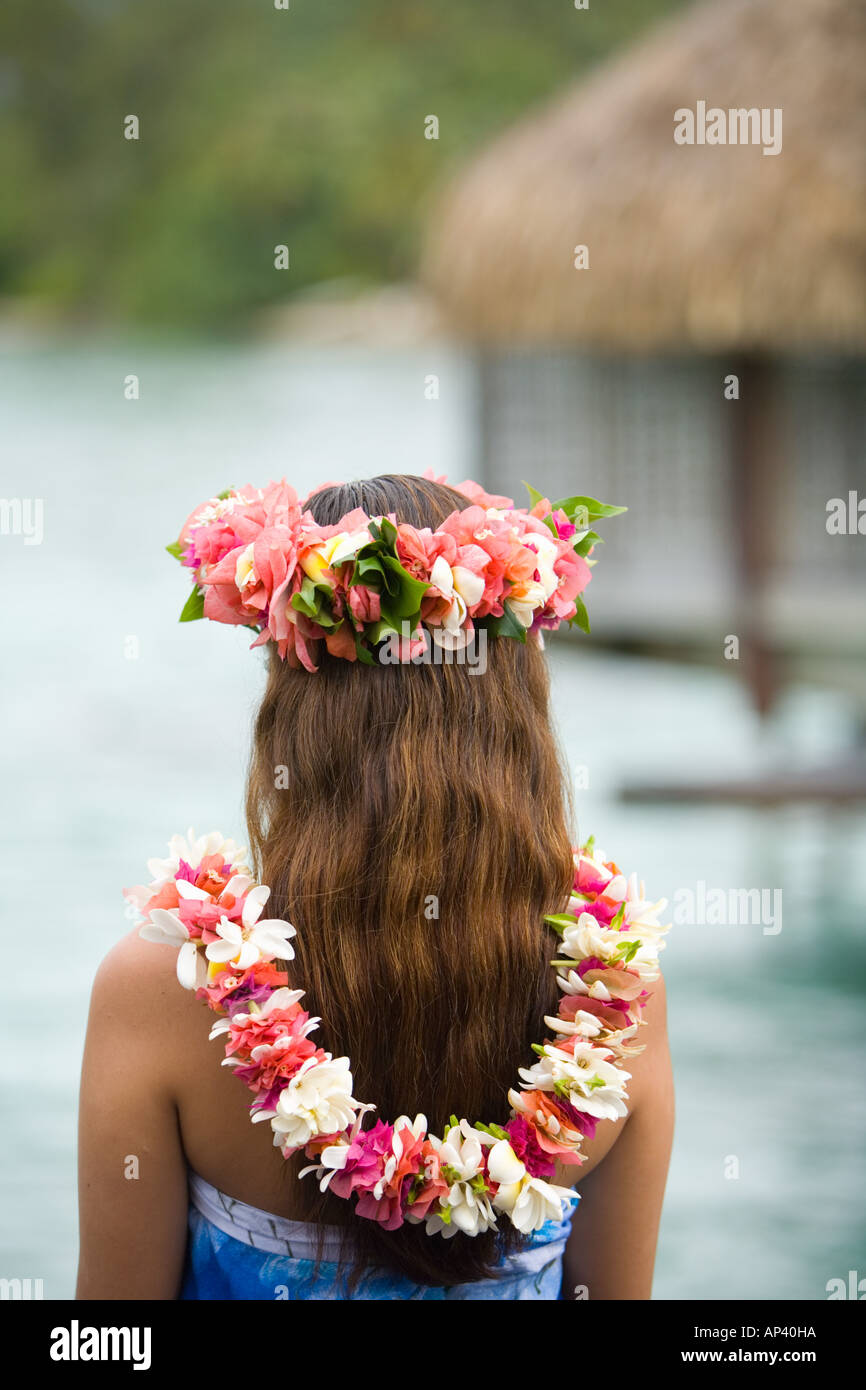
(135, 984)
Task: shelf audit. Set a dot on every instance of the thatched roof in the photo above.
(714, 247)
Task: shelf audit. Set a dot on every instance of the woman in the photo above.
(408, 811)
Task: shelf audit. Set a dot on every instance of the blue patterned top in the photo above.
(235, 1251)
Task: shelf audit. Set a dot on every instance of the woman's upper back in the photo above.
(158, 1037)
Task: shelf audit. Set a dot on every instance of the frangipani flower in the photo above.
(461, 1159)
(317, 1100)
(529, 1201)
(192, 850)
(588, 938)
(459, 589)
(242, 946)
(585, 1075)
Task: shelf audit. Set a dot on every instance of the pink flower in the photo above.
(434, 1186)
(277, 1062)
(364, 603)
(612, 1018)
(247, 1031)
(387, 1209)
(232, 989)
(418, 550)
(477, 494)
(365, 1161)
(524, 1142)
(542, 1107)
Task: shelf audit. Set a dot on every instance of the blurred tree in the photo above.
(258, 126)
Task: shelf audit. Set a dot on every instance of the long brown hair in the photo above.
(405, 786)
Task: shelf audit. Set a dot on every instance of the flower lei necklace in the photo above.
(261, 560)
(203, 900)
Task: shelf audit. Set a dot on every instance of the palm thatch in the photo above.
(708, 247)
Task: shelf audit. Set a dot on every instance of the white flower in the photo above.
(524, 600)
(345, 546)
(592, 1083)
(586, 1024)
(216, 508)
(547, 551)
(537, 1202)
(317, 1100)
(462, 1150)
(166, 929)
(528, 1201)
(461, 586)
(244, 572)
(244, 944)
(192, 851)
(588, 937)
(333, 1158)
(334, 551)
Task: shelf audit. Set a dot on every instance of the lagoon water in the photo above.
(120, 727)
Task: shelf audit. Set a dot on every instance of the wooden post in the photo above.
(757, 478)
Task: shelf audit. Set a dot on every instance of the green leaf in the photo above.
(406, 592)
(313, 599)
(560, 920)
(364, 656)
(590, 505)
(367, 567)
(581, 617)
(584, 546)
(626, 952)
(175, 549)
(193, 608)
(506, 625)
(388, 533)
(534, 495)
(496, 1130)
(381, 630)
(377, 566)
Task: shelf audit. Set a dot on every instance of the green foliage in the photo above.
(258, 127)
(193, 609)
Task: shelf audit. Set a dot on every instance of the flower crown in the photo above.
(203, 901)
(261, 560)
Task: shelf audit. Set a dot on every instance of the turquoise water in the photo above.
(104, 756)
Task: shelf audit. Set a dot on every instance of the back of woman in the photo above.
(408, 811)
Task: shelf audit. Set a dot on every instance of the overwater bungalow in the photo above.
(682, 327)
